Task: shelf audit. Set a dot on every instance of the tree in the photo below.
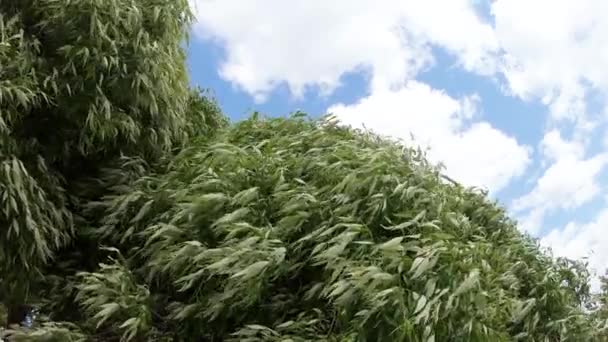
(83, 83)
(304, 230)
(601, 305)
(132, 211)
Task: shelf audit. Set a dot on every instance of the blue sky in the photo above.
(506, 101)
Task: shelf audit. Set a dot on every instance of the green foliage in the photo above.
(295, 229)
(600, 306)
(204, 114)
(48, 332)
(265, 230)
(33, 211)
(111, 296)
(84, 86)
(112, 72)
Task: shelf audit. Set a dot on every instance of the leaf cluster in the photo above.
(295, 229)
(131, 210)
(84, 86)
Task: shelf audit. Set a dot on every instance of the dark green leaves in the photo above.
(84, 86)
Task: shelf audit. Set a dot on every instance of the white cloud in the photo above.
(556, 51)
(582, 240)
(314, 42)
(532, 222)
(456, 28)
(473, 152)
(568, 183)
(554, 147)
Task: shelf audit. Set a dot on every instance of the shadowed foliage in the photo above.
(83, 83)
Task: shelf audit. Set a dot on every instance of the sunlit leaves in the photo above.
(251, 231)
(266, 230)
(34, 220)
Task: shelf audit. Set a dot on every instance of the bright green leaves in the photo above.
(34, 221)
(267, 230)
(469, 283)
(297, 230)
(133, 104)
(275, 219)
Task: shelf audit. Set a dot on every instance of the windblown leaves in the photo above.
(113, 300)
(294, 229)
(271, 230)
(84, 86)
(34, 221)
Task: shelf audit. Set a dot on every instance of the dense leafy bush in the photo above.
(132, 211)
(82, 84)
(295, 229)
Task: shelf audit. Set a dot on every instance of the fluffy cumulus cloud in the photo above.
(472, 151)
(555, 148)
(562, 60)
(312, 43)
(570, 181)
(555, 50)
(567, 184)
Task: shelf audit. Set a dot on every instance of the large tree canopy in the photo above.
(82, 84)
(295, 229)
(131, 211)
